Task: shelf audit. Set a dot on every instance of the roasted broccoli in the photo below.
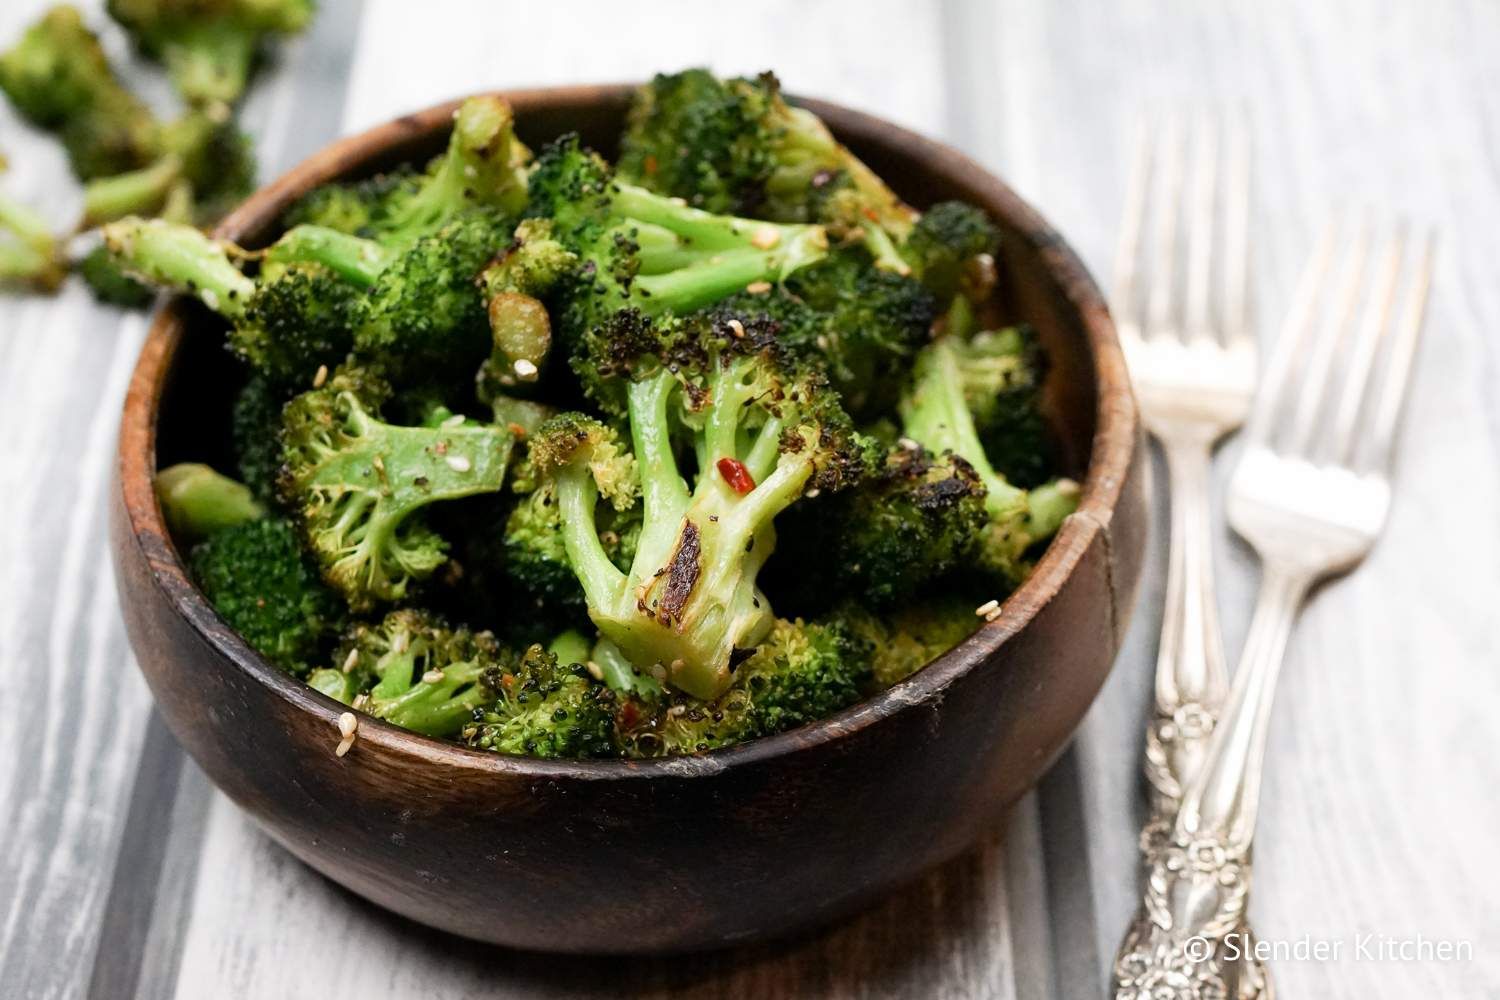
(905, 639)
(111, 284)
(798, 673)
(198, 501)
(763, 430)
(209, 47)
(548, 707)
(935, 413)
(255, 433)
(29, 254)
(357, 484)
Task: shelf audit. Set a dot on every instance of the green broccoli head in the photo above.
(514, 284)
(738, 145)
(917, 521)
(903, 640)
(951, 250)
(422, 674)
(353, 207)
(799, 673)
(255, 435)
(546, 708)
(357, 484)
(297, 320)
(257, 576)
(59, 78)
(209, 47)
(764, 431)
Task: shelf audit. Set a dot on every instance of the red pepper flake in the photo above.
(650, 164)
(871, 214)
(736, 475)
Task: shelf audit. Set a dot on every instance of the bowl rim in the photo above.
(1110, 455)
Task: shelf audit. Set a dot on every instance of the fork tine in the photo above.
(1127, 250)
(1196, 321)
(1235, 321)
(1279, 369)
(1164, 237)
(1362, 361)
(1402, 355)
(1335, 326)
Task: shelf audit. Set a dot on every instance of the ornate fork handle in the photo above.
(1190, 672)
(1189, 941)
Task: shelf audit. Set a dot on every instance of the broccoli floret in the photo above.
(197, 501)
(209, 47)
(357, 484)
(935, 413)
(287, 325)
(59, 78)
(883, 542)
(258, 578)
(650, 253)
(798, 674)
(111, 284)
(864, 324)
(952, 250)
(32, 256)
(484, 167)
(514, 284)
(425, 314)
(1003, 379)
(736, 145)
(548, 707)
(902, 641)
(352, 207)
(255, 435)
(203, 167)
(764, 431)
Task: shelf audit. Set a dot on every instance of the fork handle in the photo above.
(1221, 801)
(1190, 670)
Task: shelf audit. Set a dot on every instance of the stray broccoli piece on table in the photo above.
(197, 501)
(798, 674)
(764, 430)
(358, 484)
(936, 414)
(59, 78)
(737, 145)
(209, 47)
(203, 168)
(32, 256)
(258, 578)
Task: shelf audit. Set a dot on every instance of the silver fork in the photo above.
(1193, 368)
(1310, 495)
(1194, 374)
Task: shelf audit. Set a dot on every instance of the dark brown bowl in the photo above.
(663, 855)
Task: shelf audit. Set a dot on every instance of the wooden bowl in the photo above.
(661, 855)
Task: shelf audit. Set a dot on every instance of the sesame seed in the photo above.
(658, 671)
(595, 671)
(737, 328)
(765, 238)
(988, 606)
(470, 171)
(432, 677)
(676, 710)
(992, 615)
(457, 420)
(525, 369)
(677, 666)
(320, 376)
(908, 444)
(351, 661)
(458, 463)
(810, 494)
(360, 701)
(210, 299)
(399, 645)
(758, 287)
(348, 728)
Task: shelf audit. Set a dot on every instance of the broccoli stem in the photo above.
(36, 259)
(356, 260)
(664, 495)
(936, 415)
(180, 257)
(1049, 504)
(570, 646)
(197, 501)
(137, 192)
(26, 224)
(705, 282)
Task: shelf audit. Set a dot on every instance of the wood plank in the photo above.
(1378, 773)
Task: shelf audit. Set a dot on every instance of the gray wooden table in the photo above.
(123, 873)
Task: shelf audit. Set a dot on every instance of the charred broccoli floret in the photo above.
(764, 430)
(59, 78)
(548, 707)
(935, 412)
(209, 47)
(798, 674)
(358, 484)
(293, 320)
(951, 250)
(737, 145)
(202, 168)
(905, 639)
